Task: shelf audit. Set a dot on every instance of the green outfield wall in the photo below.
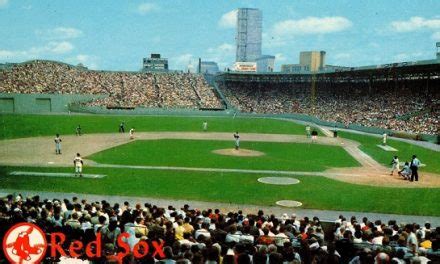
(41, 103)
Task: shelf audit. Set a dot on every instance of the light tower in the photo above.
(438, 50)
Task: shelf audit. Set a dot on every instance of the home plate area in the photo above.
(55, 174)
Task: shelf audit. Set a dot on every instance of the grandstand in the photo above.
(400, 96)
(122, 89)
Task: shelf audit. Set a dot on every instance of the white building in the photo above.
(248, 37)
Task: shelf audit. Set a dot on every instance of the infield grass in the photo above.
(236, 188)
(198, 153)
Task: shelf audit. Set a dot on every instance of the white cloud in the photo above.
(145, 8)
(59, 47)
(60, 33)
(311, 25)
(184, 62)
(223, 54)
(3, 3)
(88, 61)
(436, 36)
(51, 48)
(415, 23)
(228, 20)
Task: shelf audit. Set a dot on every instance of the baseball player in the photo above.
(78, 163)
(384, 139)
(131, 133)
(308, 131)
(205, 126)
(237, 141)
(395, 164)
(406, 171)
(122, 127)
(57, 144)
(78, 130)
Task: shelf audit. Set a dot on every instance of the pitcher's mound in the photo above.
(241, 152)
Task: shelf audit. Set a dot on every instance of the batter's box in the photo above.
(387, 148)
(55, 174)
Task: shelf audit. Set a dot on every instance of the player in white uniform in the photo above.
(205, 126)
(57, 144)
(384, 139)
(308, 131)
(78, 163)
(131, 133)
(395, 164)
(237, 141)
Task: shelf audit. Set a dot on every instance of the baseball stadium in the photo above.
(237, 166)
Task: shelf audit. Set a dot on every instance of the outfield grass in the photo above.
(405, 151)
(236, 188)
(198, 153)
(18, 126)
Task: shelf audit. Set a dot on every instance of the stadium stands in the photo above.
(210, 236)
(397, 103)
(408, 110)
(124, 89)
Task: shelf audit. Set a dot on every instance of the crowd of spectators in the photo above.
(211, 236)
(124, 89)
(408, 110)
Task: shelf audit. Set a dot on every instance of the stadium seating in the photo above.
(406, 110)
(210, 236)
(124, 89)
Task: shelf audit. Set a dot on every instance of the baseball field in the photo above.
(172, 157)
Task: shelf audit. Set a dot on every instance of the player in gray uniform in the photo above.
(237, 141)
(57, 144)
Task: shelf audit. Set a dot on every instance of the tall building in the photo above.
(266, 63)
(314, 59)
(155, 64)
(248, 37)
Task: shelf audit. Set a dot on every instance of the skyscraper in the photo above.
(248, 37)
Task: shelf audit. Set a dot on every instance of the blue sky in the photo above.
(116, 35)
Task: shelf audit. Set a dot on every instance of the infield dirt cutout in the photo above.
(239, 153)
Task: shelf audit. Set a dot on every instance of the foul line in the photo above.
(305, 173)
(55, 174)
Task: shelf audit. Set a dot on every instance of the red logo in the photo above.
(24, 243)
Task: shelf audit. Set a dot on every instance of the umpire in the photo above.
(415, 164)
